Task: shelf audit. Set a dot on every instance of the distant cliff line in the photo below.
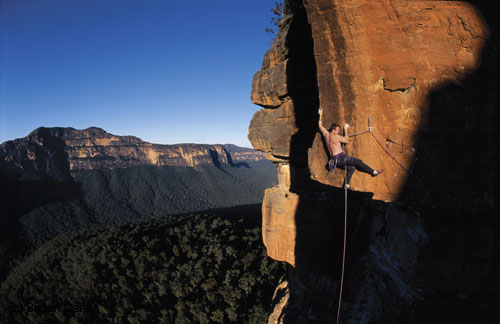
(94, 148)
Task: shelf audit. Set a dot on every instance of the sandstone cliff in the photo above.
(422, 73)
(58, 151)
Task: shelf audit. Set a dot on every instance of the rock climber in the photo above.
(338, 158)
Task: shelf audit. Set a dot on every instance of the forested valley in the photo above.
(194, 268)
(36, 210)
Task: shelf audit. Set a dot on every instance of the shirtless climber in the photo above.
(338, 158)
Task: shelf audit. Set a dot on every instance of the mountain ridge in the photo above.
(58, 151)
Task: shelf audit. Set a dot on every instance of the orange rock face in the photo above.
(381, 60)
(370, 60)
(278, 208)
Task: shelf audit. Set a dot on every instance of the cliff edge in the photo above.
(420, 236)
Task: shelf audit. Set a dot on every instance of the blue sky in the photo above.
(162, 70)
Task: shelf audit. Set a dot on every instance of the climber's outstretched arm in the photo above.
(322, 129)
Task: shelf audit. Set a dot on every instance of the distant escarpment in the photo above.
(58, 151)
(61, 180)
(420, 237)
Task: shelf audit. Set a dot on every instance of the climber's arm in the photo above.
(323, 130)
(345, 139)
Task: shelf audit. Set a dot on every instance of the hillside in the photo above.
(202, 268)
(62, 180)
(107, 197)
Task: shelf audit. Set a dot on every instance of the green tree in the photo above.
(278, 12)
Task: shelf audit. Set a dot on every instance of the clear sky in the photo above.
(163, 70)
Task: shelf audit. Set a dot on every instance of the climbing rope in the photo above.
(388, 151)
(344, 251)
(345, 245)
(391, 154)
(384, 147)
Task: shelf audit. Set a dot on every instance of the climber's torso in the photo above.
(334, 143)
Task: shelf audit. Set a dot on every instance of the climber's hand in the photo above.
(346, 126)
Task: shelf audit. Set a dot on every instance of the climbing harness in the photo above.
(334, 158)
(332, 163)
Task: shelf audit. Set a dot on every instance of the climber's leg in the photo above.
(359, 165)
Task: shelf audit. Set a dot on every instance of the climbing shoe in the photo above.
(378, 172)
